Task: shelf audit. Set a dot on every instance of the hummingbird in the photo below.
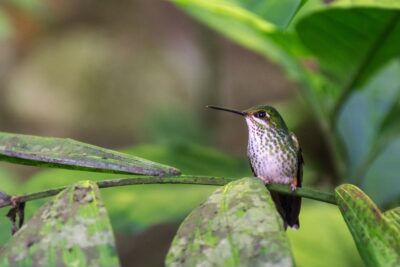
(275, 156)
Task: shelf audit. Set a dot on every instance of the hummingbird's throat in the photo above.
(256, 122)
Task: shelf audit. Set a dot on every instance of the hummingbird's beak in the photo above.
(228, 110)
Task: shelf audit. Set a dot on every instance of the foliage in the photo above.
(72, 229)
(68, 153)
(323, 239)
(135, 208)
(376, 236)
(238, 225)
(344, 57)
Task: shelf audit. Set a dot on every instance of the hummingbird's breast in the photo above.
(272, 155)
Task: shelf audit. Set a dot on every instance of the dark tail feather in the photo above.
(289, 209)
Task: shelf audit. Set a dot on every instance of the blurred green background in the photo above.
(135, 75)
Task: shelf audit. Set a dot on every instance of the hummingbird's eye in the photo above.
(260, 114)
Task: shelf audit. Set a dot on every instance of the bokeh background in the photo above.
(136, 75)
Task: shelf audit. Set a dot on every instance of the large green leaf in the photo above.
(255, 13)
(257, 24)
(393, 216)
(352, 39)
(237, 226)
(377, 239)
(382, 178)
(360, 120)
(368, 3)
(70, 230)
(390, 128)
(71, 154)
(368, 125)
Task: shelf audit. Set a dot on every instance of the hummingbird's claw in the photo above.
(14, 201)
(264, 179)
(293, 184)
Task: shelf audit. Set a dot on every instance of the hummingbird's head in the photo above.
(261, 116)
(265, 117)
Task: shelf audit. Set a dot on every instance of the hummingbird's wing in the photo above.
(292, 204)
(300, 162)
(289, 206)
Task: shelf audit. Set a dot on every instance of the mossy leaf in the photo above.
(71, 154)
(237, 226)
(72, 229)
(376, 237)
(393, 216)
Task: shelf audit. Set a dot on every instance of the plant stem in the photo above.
(182, 179)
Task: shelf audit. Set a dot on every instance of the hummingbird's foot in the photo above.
(293, 184)
(264, 179)
(14, 201)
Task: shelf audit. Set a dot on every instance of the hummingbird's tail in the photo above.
(289, 208)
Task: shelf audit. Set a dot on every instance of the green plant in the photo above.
(345, 58)
(242, 225)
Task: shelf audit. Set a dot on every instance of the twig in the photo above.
(183, 179)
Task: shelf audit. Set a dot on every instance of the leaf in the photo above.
(368, 3)
(323, 239)
(257, 24)
(390, 128)
(393, 216)
(276, 13)
(71, 154)
(377, 240)
(237, 226)
(362, 115)
(352, 40)
(368, 127)
(70, 230)
(382, 181)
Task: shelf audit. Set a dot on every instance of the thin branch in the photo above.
(183, 179)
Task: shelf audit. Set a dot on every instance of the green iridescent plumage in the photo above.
(274, 117)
